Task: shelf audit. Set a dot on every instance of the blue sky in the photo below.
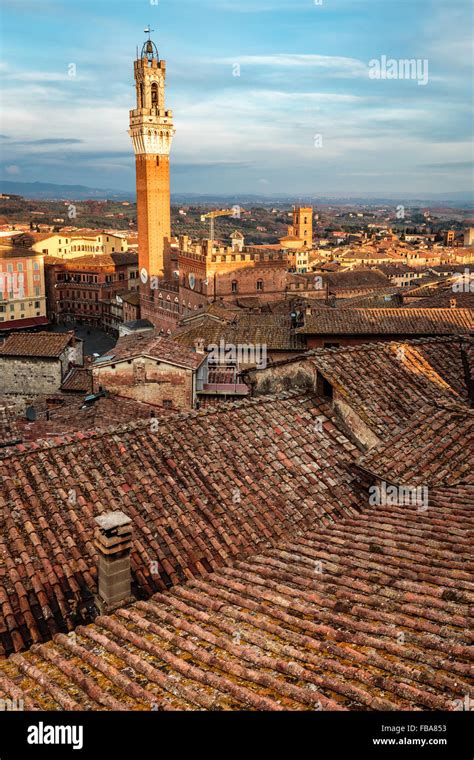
(304, 71)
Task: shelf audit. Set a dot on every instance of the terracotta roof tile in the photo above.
(386, 383)
(272, 330)
(369, 612)
(435, 448)
(40, 344)
(204, 488)
(400, 321)
(78, 380)
(60, 415)
(151, 344)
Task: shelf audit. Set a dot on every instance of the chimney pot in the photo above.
(199, 346)
(113, 541)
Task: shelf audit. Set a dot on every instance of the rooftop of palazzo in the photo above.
(205, 252)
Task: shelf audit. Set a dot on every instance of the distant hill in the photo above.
(52, 192)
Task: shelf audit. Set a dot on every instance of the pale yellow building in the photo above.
(70, 245)
(22, 289)
(469, 237)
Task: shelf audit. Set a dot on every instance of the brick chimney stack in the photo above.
(113, 540)
(199, 346)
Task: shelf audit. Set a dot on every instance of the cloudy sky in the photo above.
(304, 115)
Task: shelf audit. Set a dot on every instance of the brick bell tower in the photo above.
(152, 130)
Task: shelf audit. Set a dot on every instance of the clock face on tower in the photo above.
(144, 276)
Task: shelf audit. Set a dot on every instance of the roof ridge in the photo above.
(383, 344)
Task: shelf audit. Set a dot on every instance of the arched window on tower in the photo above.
(154, 95)
(142, 97)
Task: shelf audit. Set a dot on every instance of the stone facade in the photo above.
(282, 376)
(30, 375)
(149, 381)
(34, 375)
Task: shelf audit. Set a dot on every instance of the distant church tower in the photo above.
(303, 224)
(152, 130)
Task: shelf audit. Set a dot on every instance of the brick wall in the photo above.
(148, 381)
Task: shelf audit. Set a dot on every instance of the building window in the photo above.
(259, 284)
(154, 95)
(167, 403)
(323, 387)
(234, 286)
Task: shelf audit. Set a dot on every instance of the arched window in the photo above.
(234, 286)
(142, 97)
(259, 284)
(154, 95)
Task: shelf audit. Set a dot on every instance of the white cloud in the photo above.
(339, 65)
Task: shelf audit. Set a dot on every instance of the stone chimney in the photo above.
(113, 541)
(199, 346)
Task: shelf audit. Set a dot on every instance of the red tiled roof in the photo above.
(368, 613)
(386, 383)
(196, 490)
(356, 278)
(65, 415)
(151, 344)
(78, 380)
(389, 322)
(37, 345)
(435, 449)
(271, 330)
